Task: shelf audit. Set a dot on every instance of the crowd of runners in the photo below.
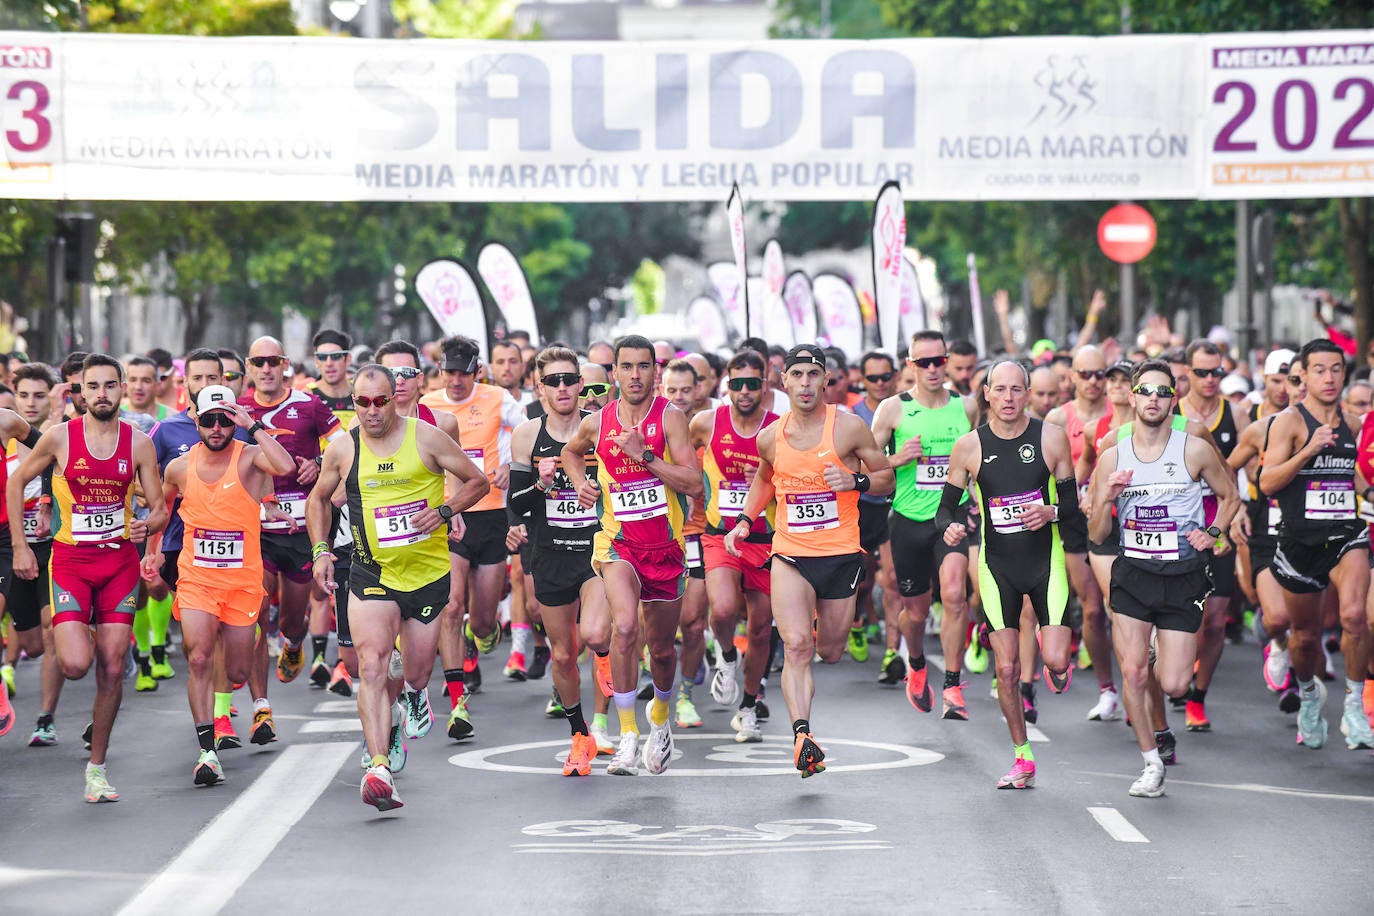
(651, 521)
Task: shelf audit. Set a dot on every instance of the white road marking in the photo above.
(1036, 735)
(336, 706)
(1257, 788)
(751, 849)
(244, 834)
(1116, 825)
(329, 726)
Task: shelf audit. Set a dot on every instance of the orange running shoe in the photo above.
(580, 757)
(918, 691)
(225, 736)
(1195, 716)
(807, 755)
(601, 672)
(954, 704)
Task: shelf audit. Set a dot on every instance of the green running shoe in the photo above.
(858, 645)
(894, 669)
(975, 658)
(486, 644)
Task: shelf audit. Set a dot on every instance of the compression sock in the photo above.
(141, 630)
(575, 721)
(159, 619)
(625, 708)
(951, 679)
(658, 710)
(1024, 752)
(599, 720)
(222, 703)
(205, 734)
(520, 636)
(453, 677)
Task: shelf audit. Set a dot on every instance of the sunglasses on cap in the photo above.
(232, 376)
(260, 361)
(331, 356)
(1150, 391)
(562, 380)
(215, 418)
(929, 362)
(164, 376)
(365, 402)
(880, 378)
(747, 383)
(406, 372)
(594, 390)
(1086, 374)
(1218, 372)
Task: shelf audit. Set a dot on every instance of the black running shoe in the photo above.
(540, 663)
(86, 735)
(761, 711)
(1289, 701)
(1167, 745)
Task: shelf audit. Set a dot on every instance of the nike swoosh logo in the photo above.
(823, 454)
(990, 460)
(228, 485)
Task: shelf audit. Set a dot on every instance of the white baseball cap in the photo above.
(1277, 363)
(1234, 384)
(215, 397)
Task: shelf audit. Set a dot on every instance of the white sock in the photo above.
(261, 703)
(1152, 758)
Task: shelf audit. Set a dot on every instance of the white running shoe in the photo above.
(419, 716)
(1312, 727)
(1108, 708)
(625, 761)
(1277, 661)
(1150, 783)
(604, 744)
(395, 668)
(658, 747)
(746, 723)
(1355, 724)
(378, 789)
(725, 688)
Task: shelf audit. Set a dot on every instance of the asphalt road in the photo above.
(906, 818)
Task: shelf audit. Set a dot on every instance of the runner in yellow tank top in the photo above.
(810, 460)
(392, 469)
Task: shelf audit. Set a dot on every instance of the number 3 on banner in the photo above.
(33, 100)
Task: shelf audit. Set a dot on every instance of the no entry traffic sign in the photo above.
(1126, 233)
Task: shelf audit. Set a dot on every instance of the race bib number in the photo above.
(693, 551)
(476, 456)
(217, 549)
(30, 523)
(1275, 516)
(293, 504)
(813, 511)
(932, 472)
(640, 500)
(730, 498)
(1330, 500)
(1004, 512)
(96, 524)
(393, 524)
(562, 511)
(1149, 539)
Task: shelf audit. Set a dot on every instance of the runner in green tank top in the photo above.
(919, 428)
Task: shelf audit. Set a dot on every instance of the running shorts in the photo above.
(170, 572)
(28, 597)
(918, 552)
(831, 578)
(751, 565)
(873, 530)
(287, 555)
(696, 569)
(484, 541)
(1305, 569)
(94, 584)
(1003, 591)
(559, 575)
(234, 608)
(1168, 602)
(1110, 546)
(1073, 532)
(423, 604)
(661, 569)
(342, 570)
(1223, 574)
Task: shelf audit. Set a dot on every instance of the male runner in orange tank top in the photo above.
(810, 462)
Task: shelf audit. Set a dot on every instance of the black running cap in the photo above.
(804, 354)
(1124, 366)
(467, 365)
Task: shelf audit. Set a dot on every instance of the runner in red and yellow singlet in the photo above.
(811, 462)
(94, 566)
(646, 471)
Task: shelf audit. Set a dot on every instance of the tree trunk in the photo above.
(1359, 259)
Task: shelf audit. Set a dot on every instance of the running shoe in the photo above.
(1195, 716)
(1020, 776)
(289, 663)
(554, 707)
(472, 678)
(515, 666)
(539, 664)
(761, 708)
(894, 669)
(1108, 708)
(1368, 699)
(264, 729)
(86, 734)
(937, 616)
(395, 668)
(954, 704)
(1059, 684)
(580, 756)
(379, 790)
(1085, 659)
(1312, 726)
(6, 713)
(725, 687)
(319, 672)
(1289, 701)
(858, 645)
(746, 726)
(1028, 709)
(163, 670)
(225, 736)
(807, 755)
(459, 722)
(208, 771)
(7, 675)
(918, 692)
(1355, 725)
(396, 750)
(1167, 745)
(604, 744)
(98, 788)
(339, 681)
(44, 735)
(1150, 782)
(144, 683)
(419, 715)
(1328, 671)
(975, 658)
(601, 673)
(1277, 662)
(485, 644)
(686, 715)
(658, 747)
(625, 760)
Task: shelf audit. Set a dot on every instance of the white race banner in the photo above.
(724, 277)
(888, 240)
(505, 278)
(913, 304)
(708, 321)
(450, 293)
(801, 305)
(734, 216)
(770, 316)
(975, 303)
(839, 313)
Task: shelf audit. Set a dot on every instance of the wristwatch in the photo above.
(1213, 531)
(445, 511)
(257, 426)
(648, 457)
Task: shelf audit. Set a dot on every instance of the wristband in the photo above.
(862, 483)
(319, 461)
(270, 499)
(320, 549)
(744, 518)
(257, 427)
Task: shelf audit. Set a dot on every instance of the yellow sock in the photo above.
(658, 712)
(380, 760)
(627, 720)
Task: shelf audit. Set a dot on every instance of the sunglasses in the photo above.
(748, 383)
(608, 367)
(1149, 391)
(831, 382)
(929, 362)
(260, 361)
(561, 380)
(230, 376)
(1218, 372)
(1086, 374)
(1295, 379)
(164, 376)
(405, 372)
(880, 378)
(215, 418)
(332, 356)
(379, 401)
(594, 390)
